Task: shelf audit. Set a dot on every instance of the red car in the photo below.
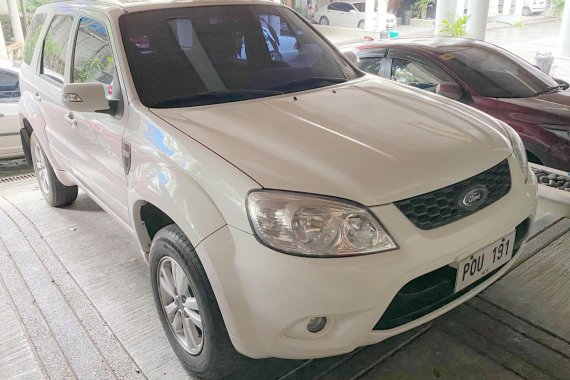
(485, 77)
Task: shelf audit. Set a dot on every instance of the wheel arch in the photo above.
(182, 201)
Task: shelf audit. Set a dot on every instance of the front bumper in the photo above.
(267, 297)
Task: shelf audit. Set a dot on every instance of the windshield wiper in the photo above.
(213, 97)
(548, 89)
(307, 84)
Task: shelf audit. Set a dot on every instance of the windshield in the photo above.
(361, 7)
(496, 73)
(183, 57)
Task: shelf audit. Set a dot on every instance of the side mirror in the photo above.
(565, 85)
(449, 90)
(85, 97)
(352, 57)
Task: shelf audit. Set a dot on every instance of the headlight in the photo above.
(557, 130)
(312, 225)
(518, 150)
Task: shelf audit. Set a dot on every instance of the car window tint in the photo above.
(345, 7)
(496, 73)
(9, 87)
(371, 65)
(34, 31)
(361, 7)
(55, 48)
(334, 7)
(214, 54)
(417, 75)
(93, 57)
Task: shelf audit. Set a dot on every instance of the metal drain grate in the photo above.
(17, 178)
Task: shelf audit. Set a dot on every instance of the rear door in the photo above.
(95, 138)
(48, 88)
(10, 144)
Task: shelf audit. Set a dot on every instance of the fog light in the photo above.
(316, 324)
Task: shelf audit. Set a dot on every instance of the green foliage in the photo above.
(419, 7)
(7, 28)
(32, 5)
(558, 7)
(518, 24)
(455, 28)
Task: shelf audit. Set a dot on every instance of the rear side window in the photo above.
(55, 48)
(34, 32)
(9, 87)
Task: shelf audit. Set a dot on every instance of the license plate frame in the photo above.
(472, 268)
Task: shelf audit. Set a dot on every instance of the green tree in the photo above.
(558, 6)
(419, 7)
(32, 5)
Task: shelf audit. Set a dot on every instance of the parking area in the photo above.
(76, 302)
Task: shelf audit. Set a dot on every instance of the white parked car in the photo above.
(10, 144)
(529, 8)
(348, 14)
(288, 204)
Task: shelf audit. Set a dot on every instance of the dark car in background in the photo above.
(485, 77)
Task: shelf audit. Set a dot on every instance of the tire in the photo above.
(215, 357)
(324, 21)
(55, 193)
(526, 11)
(361, 24)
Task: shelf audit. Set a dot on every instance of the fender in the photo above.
(176, 194)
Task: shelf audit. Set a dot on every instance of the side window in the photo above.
(9, 87)
(345, 7)
(55, 48)
(334, 7)
(371, 65)
(418, 75)
(34, 32)
(93, 57)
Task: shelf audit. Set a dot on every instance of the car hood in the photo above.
(370, 140)
(553, 108)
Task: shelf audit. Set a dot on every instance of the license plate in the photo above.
(485, 261)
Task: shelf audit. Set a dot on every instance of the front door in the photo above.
(10, 144)
(96, 138)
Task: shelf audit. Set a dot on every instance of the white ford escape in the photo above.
(288, 205)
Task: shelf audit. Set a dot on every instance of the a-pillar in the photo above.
(478, 11)
(15, 20)
(564, 48)
(369, 15)
(446, 10)
(381, 15)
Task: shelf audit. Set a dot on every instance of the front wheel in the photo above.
(361, 24)
(324, 21)
(526, 11)
(55, 193)
(187, 307)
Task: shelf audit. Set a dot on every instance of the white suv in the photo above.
(288, 205)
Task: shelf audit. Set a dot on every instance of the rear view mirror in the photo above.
(85, 97)
(352, 57)
(449, 90)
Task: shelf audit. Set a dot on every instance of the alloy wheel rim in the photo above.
(180, 306)
(41, 169)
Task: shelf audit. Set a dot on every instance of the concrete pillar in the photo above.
(3, 52)
(478, 11)
(518, 9)
(494, 8)
(446, 10)
(564, 48)
(381, 15)
(506, 7)
(15, 20)
(369, 15)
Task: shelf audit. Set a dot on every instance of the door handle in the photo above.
(37, 97)
(70, 118)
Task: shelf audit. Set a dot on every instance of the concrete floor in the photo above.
(76, 301)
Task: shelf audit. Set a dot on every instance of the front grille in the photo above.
(432, 291)
(441, 207)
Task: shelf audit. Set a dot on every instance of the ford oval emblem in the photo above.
(473, 197)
